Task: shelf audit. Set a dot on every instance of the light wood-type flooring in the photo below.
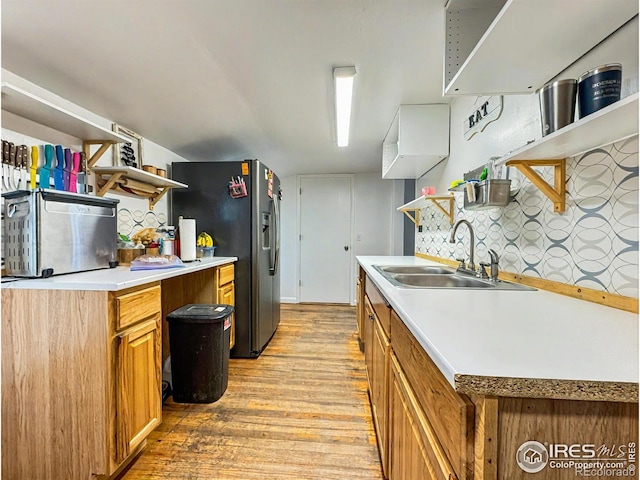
(300, 411)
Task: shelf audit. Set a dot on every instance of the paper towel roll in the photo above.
(187, 228)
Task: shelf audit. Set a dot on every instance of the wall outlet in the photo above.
(420, 228)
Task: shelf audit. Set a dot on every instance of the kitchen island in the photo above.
(82, 359)
(465, 378)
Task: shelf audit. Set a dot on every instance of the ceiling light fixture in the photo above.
(343, 83)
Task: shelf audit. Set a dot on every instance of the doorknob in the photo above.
(346, 248)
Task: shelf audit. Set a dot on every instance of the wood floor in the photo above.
(300, 411)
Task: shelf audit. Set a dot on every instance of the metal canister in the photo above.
(557, 105)
(599, 88)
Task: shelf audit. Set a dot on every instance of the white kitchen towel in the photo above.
(187, 228)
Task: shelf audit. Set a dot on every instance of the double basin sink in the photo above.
(426, 276)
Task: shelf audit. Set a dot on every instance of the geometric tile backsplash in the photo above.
(594, 243)
(132, 221)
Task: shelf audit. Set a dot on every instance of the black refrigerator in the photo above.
(238, 204)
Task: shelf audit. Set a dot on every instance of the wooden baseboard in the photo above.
(629, 304)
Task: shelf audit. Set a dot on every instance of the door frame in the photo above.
(352, 282)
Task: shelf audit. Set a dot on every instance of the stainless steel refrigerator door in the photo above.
(264, 231)
(230, 221)
(275, 274)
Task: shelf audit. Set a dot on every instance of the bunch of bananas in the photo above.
(204, 240)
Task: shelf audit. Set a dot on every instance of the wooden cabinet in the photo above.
(360, 307)
(81, 380)
(379, 389)
(138, 385)
(137, 375)
(450, 415)
(226, 295)
(380, 306)
(377, 347)
(369, 323)
(225, 281)
(414, 453)
(81, 373)
(427, 430)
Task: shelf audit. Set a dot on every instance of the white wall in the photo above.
(376, 233)
(289, 246)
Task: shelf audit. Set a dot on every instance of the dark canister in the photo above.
(598, 88)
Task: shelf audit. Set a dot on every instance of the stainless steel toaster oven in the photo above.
(49, 232)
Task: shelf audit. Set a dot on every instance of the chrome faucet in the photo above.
(452, 239)
(493, 266)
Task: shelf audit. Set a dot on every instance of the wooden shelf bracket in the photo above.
(557, 193)
(416, 215)
(415, 218)
(93, 159)
(447, 200)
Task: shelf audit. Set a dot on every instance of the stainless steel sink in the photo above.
(423, 269)
(426, 276)
(440, 281)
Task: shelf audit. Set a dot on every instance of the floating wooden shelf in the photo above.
(414, 207)
(135, 182)
(557, 193)
(27, 105)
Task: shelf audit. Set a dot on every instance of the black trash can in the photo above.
(199, 344)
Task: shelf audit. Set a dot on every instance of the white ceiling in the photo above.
(235, 79)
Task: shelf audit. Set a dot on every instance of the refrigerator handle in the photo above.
(277, 235)
(272, 250)
(274, 257)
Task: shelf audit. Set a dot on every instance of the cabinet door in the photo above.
(138, 384)
(369, 322)
(414, 451)
(379, 389)
(450, 415)
(359, 311)
(226, 295)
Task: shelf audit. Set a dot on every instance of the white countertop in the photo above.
(113, 279)
(518, 334)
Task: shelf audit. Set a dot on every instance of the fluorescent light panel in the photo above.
(343, 80)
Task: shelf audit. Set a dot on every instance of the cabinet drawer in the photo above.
(135, 306)
(225, 274)
(450, 415)
(380, 306)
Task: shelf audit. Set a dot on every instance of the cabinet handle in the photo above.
(371, 317)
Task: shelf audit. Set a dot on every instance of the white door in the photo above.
(326, 255)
